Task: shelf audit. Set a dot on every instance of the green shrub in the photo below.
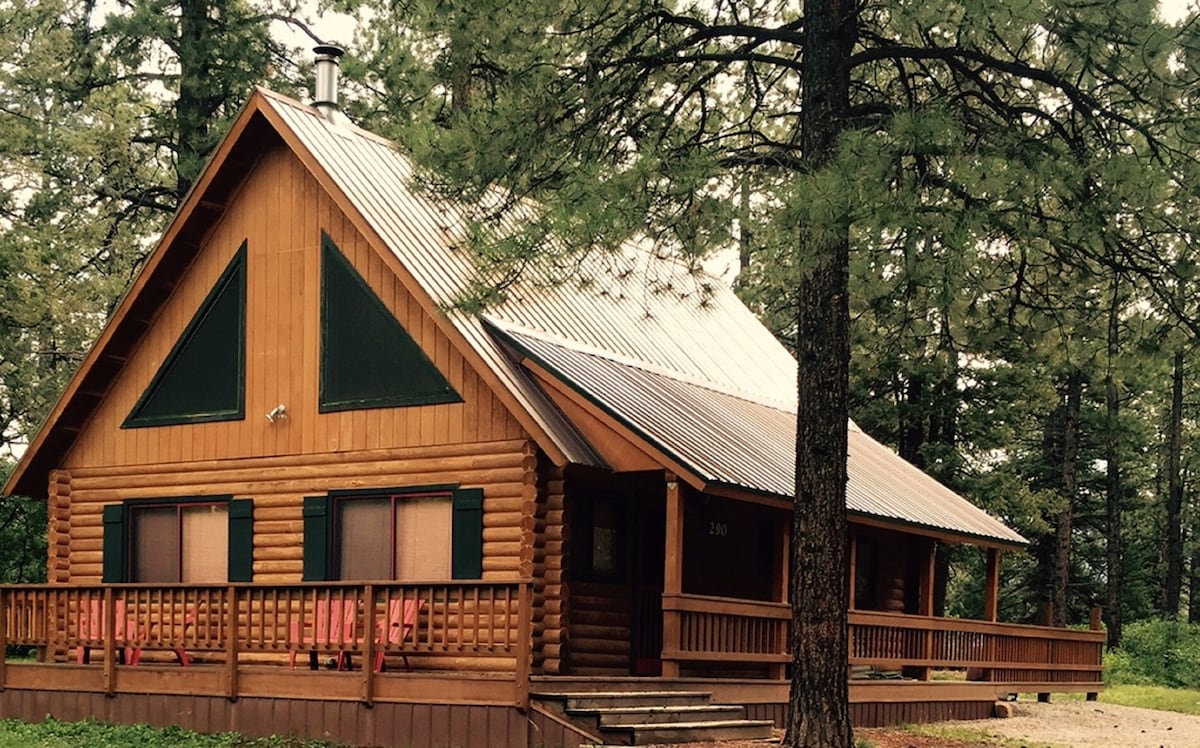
(1163, 653)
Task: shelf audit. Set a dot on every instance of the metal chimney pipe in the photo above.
(327, 63)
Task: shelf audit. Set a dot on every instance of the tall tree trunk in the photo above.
(1194, 588)
(1174, 581)
(196, 103)
(745, 232)
(1062, 526)
(818, 703)
(912, 421)
(1113, 489)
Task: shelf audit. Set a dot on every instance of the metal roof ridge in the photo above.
(591, 350)
(342, 123)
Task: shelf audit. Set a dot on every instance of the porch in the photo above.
(468, 661)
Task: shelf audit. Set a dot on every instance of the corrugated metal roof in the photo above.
(729, 440)
(667, 350)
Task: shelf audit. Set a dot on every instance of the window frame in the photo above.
(118, 541)
(339, 499)
(466, 528)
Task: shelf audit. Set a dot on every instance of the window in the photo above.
(204, 539)
(420, 533)
(599, 538)
(180, 543)
(404, 537)
(203, 377)
(368, 359)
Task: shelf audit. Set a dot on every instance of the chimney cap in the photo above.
(329, 50)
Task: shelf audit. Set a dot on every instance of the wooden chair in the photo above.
(395, 629)
(92, 628)
(333, 627)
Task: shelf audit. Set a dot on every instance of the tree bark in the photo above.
(196, 103)
(1174, 581)
(1113, 490)
(818, 704)
(1194, 588)
(1062, 527)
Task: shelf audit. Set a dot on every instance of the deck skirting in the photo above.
(349, 722)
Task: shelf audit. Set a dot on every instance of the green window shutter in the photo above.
(203, 377)
(316, 538)
(368, 359)
(466, 556)
(241, 540)
(114, 565)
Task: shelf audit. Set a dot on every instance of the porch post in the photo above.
(852, 566)
(928, 572)
(928, 575)
(991, 585)
(672, 574)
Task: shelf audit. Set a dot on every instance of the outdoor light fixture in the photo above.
(278, 413)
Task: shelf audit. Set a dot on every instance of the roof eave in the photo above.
(75, 405)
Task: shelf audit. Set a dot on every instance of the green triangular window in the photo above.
(368, 360)
(203, 377)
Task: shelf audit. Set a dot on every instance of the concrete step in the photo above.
(688, 732)
(651, 715)
(618, 699)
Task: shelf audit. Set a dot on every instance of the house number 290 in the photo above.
(718, 529)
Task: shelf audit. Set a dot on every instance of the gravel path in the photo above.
(1083, 724)
(1069, 724)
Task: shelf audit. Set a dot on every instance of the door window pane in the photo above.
(366, 541)
(423, 538)
(205, 535)
(155, 544)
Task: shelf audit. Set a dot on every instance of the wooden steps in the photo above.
(651, 717)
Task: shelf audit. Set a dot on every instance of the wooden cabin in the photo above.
(283, 452)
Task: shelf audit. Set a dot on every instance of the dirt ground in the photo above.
(1070, 724)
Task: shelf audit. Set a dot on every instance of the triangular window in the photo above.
(203, 377)
(368, 359)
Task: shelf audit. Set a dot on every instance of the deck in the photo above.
(464, 662)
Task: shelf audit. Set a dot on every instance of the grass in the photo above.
(55, 734)
(1182, 700)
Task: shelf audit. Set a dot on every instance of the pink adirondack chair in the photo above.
(92, 628)
(333, 626)
(396, 627)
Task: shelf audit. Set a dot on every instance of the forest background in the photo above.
(1023, 319)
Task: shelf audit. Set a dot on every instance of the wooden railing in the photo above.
(700, 630)
(997, 652)
(480, 625)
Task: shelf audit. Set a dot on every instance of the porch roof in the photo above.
(731, 441)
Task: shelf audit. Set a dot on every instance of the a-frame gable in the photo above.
(260, 129)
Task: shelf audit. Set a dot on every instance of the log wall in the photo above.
(550, 590)
(278, 486)
(600, 628)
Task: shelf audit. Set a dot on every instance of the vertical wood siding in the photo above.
(348, 722)
(280, 212)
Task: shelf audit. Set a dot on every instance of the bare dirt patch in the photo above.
(1070, 724)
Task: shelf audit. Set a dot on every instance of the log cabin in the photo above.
(500, 528)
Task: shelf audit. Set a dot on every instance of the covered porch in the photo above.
(468, 658)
